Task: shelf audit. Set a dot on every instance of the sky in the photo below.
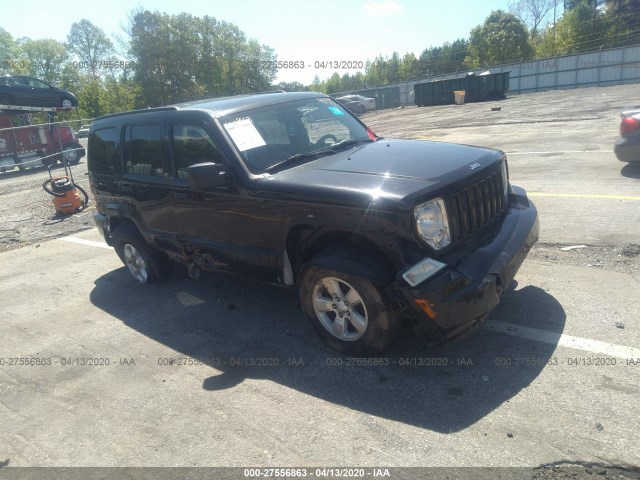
(303, 31)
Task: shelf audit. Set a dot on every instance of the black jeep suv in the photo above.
(293, 189)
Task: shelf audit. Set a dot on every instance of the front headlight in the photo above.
(432, 223)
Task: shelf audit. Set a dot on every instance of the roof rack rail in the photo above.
(142, 110)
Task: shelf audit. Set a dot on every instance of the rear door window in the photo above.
(143, 151)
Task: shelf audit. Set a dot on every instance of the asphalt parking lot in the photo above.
(226, 372)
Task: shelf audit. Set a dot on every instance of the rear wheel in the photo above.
(145, 264)
(348, 311)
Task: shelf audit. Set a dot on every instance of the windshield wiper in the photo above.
(299, 156)
(349, 141)
(330, 148)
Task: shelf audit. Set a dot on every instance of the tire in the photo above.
(361, 109)
(145, 263)
(66, 103)
(371, 321)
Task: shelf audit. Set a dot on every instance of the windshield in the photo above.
(285, 133)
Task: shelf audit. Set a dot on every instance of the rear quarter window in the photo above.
(103, 151)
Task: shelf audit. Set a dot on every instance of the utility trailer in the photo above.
(26, 145)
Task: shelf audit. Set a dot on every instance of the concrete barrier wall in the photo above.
(616, 66)
(595, 69)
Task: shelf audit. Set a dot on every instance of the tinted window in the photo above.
(191, 145)
(34, 82)
(103, 153)
(12, 81)
(143, 150)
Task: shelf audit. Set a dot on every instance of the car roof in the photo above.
(23, 76)
(224, 106)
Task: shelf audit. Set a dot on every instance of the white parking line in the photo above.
(557, 152)
(583, 195)
(82, 241)
(563, 340)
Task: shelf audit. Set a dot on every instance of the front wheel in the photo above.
(348, 311)
(145, 264)
(66, 103)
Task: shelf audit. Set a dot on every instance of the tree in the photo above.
(45, 59)
(533, 13)
(9, 62)
(358, 81)
(593, 4)
(623, 19)
(393, 69)
(449, 57)
(316, 85)
(377, 72)
(503, 38)
(90, 45)
(575, 32)
(334, 84)
(182, 57)
(291, 87)
(410, 67)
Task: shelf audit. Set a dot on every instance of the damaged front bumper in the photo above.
(457, 299)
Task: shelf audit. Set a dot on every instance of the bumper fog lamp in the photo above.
(422, 270)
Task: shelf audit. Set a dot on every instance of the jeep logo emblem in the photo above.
(473, 166)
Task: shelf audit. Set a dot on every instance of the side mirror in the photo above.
(203, 176)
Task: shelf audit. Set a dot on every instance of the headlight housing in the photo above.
(432, 223)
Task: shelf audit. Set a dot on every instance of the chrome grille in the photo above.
(476, 206)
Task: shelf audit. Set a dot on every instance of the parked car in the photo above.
(84, 131)
(352, 106)
(369, 230)
(25, 145)
(627, 148)
(366, 102)
(29, 91)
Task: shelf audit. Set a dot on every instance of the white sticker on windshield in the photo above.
(244, 134)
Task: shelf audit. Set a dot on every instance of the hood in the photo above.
(393, 173)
